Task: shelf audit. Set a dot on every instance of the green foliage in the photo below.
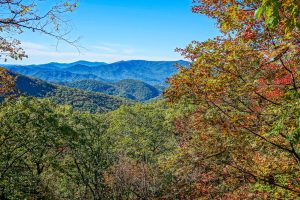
(80, 100)
(131, 89)
(85, 101)
(52, 152)
(32, 135)
(145, 131)
(144, 137)
(270, 11)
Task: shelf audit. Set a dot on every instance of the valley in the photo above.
(151, 72)
(94, 86)
(78, 99)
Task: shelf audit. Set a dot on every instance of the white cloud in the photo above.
(39, 53)
(114, 48)
(105, 48)
(32, 45)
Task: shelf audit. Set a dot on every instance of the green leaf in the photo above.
(258, 12)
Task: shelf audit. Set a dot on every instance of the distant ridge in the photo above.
(78, 99)
(128, 88)
(151, 72)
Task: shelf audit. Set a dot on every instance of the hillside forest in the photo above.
(225, 125)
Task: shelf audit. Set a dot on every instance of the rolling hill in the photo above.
(151, 72)
(56, 76)
(128, 88)
(78, 99)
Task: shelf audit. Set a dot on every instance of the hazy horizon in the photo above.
(44, 63)
(111, 31)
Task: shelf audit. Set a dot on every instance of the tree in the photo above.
(18, 16)
(33, 139)
(7, 84)
(246, 86)
(89, 156)
(283, 13)
(143, 136)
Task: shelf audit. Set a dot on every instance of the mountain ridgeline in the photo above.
(151, 72)
(128, 88)
(78, 99)
(136, 80)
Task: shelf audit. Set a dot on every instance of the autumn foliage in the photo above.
(7, 83)
(245, 84)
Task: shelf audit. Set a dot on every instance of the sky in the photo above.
(114, 30)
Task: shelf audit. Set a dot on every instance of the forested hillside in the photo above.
(131, 89)
(78, 99)
(62, 154)
(151, 72)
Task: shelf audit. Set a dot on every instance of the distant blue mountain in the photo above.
(80, 69)
(89, 64)
(127, 88)
(56, 76)
(151, 72)
(80, 62)
(78, 99)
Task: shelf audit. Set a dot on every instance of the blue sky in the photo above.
(113, 30)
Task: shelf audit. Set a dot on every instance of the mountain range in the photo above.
(127, 88)
(150, 72)
(78, 99)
